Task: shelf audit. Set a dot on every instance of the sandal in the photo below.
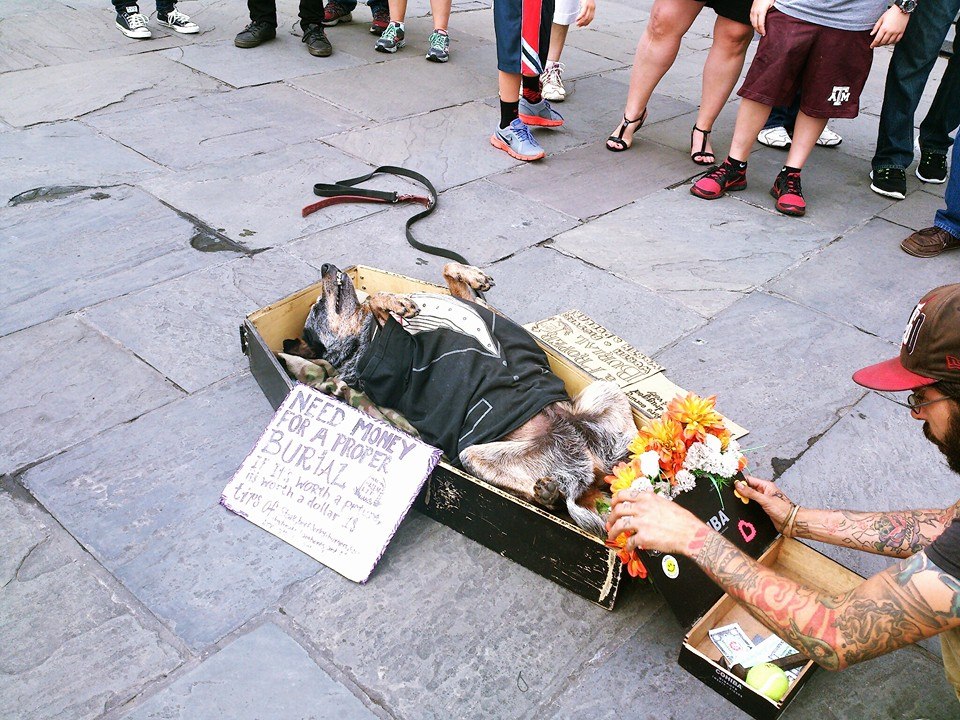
(619, 144)
(701, 156)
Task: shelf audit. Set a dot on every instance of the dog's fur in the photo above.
(563, 451)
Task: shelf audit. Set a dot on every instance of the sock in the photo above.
(509, 111)
(787, 170)
(398, 25)
(738, 164)
(438, 30)
(550, 64)
(531, 88)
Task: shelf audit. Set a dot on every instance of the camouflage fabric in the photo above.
(320, 375)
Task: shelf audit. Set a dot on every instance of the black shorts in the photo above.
(736, 10)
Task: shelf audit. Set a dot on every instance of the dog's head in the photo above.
(336, 319)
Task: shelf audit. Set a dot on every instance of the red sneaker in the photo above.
(786, 190)
(380, 13)
(334, 13)
(726, 178)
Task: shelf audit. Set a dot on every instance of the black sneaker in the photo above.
(132, 23)
(254, 34)
(316, 41)
(932, 167)
(891, 182)
(381, 18)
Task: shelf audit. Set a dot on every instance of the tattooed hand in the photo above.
(768, 496)
(651, 522)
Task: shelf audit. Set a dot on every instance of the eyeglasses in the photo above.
(914, 401)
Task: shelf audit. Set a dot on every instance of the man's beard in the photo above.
(950, 445)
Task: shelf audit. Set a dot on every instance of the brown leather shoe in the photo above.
(929, 242)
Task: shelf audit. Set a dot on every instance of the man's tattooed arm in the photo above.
(907, 602)
(899, 534)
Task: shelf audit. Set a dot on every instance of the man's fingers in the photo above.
(747, 491)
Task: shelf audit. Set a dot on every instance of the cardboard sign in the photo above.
(330, 480)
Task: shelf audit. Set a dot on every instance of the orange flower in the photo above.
(666, 437)
(623, 475)
(698, 417)
(628, 557)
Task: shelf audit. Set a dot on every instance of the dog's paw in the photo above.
(403, 306)
(472, 276)
(546, 491)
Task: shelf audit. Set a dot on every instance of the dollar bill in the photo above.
(731, 641)
(769, 649)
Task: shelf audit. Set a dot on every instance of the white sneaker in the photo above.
(552, 83)
(178, 21)
(828, 138)
(132, 23)
(775, 137)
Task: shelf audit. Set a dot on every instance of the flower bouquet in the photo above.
(687, 444)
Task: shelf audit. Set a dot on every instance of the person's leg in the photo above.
(552, 79)
(949, 219)
(913, 58)
(380, 16)
(720, 72)
(398, 10)
(750, 119)
(806, 132)
(944, 114)
(439, 50)
(558, 36)
(656, 52)
(440, 10)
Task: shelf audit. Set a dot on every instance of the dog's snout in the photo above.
(325, 268)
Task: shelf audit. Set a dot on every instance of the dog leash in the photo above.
(343, 191)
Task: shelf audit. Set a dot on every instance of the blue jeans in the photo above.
(949, 219)
(163, 6)
(913, 58)
(350, 5)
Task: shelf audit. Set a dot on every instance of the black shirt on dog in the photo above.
(459, 373)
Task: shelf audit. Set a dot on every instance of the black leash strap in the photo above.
(343, 191)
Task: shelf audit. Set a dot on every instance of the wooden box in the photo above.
(548, 544)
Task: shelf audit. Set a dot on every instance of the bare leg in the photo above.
(509, 86)
(750, 120)
(805, 134)
(720, 72)
(440, 9)
(398, 10)
(656, 51)
(558, 36)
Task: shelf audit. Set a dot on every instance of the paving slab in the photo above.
(72, 645)
(239, 124)
(599, 42)
(645, 320)
(97, 385)
(118, 239)
(48, 94)
(158, 526)
(418, 647)
(918, 209)
(825, 282)
(705, 255)
(268, 276)
(264, 673)
(788, 384)
(63, 155)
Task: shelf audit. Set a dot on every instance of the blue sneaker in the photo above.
(391, 40)
(439, 51)
(539, 114)
(517, 141)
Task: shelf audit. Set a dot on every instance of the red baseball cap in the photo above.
(930, 351)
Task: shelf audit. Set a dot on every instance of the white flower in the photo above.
(733, 446)
(642, 484)
(729, 464)
(685, 480)
(650, 463)
(713, 443)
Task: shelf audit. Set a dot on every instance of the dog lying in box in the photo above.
(475, 385)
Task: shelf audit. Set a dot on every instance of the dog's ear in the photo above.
(299, 347)
(602, 410)
(515, 465)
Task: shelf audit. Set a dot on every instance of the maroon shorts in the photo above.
(829, 66)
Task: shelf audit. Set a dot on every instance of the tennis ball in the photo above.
(767, 679)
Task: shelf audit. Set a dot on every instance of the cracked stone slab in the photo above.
(887, 464)
(56, 93)
(156, 524)
(778, 369)
(419, 648)
(65, 154)
(615, 303)
(705, 255)
(918, 209)
(619, 49)
(280, 59)
(72, 646)
(450, 146)
(65, 382)
(897, 279)
(264, 673)
(269, 276)
(257, 200)
(238, 124)
(118, 239)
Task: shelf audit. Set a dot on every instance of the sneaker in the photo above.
(891, 182)
(932, 167)
(551, 83)
(439, 51)
(391, 40)
(381, 18)
(316, 40)
(775, 137)
(517, 141)
(786, 191)
(254, 34)
(334, 13)
(828, 138)
(930, 242)
(132, 23)
(539, 114)
(724, 179)
(178, 22)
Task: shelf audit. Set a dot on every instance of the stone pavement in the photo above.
(151, 198)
